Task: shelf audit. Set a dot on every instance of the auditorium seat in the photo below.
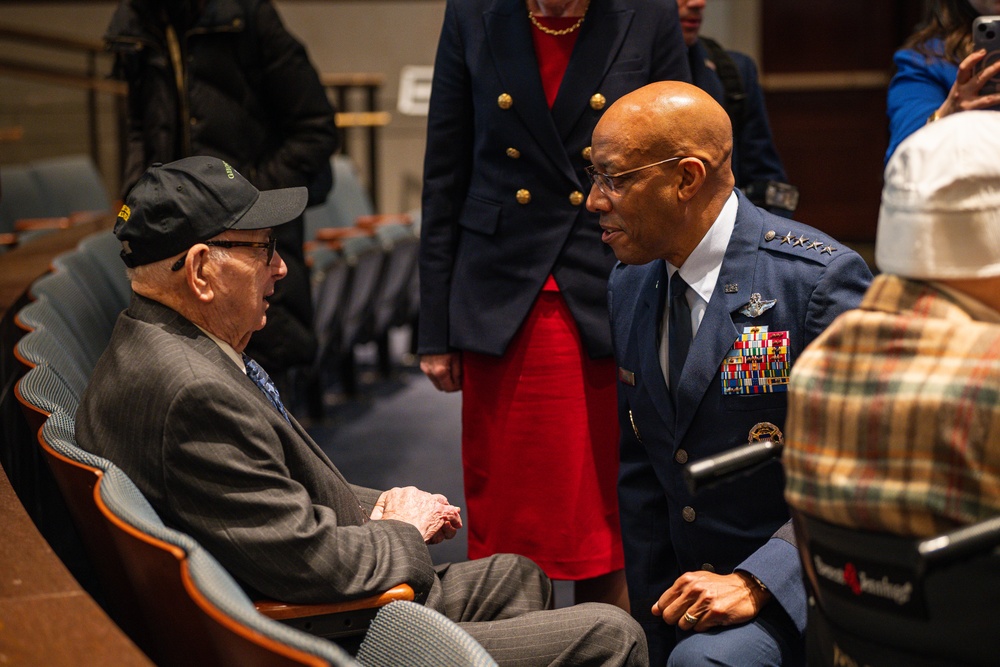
(71, 184)
(430, 638)
(885, 600)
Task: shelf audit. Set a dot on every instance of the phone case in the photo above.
(986, 35)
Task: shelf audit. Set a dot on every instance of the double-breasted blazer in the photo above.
(504, 181)
(667, 530)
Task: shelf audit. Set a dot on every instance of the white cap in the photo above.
(940, 214)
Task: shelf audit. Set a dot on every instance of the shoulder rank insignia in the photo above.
(757, 306)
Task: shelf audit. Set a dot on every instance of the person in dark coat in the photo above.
(512, 270)
(704, 372)
(731, 78)
(225, 78)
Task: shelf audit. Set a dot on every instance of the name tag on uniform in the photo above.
(758, 363)
(626, 376)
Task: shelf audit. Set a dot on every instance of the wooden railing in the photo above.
(92, 78)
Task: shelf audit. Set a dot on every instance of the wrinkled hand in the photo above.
(713, 599)
(444, 370)
(965, 92)
(429, 513)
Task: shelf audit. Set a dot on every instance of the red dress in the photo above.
(540, 428)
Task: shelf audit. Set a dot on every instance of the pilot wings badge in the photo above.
(757, 306)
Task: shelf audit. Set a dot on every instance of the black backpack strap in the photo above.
(732, 83)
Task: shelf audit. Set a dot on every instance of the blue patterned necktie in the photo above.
(263, 380)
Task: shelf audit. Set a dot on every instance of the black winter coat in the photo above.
(231, 82)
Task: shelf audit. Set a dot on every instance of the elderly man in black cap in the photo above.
(202, 431)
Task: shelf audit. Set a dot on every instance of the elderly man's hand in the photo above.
(710, 599)
(444, 370)
(432, 515)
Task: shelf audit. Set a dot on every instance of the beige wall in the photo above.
(361, 36)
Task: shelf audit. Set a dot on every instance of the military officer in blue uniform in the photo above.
(713, 575)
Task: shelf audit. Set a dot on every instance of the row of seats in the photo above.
(364, 279)
(48, 194)
(169, 594)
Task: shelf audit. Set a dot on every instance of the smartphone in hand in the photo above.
(986, 35)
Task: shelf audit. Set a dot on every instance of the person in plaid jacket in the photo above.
(894, 418)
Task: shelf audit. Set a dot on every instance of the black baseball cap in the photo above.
(174, 206)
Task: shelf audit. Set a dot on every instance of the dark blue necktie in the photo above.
(680, 330)
(263, 380)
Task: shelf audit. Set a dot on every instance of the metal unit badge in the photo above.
(757, 306)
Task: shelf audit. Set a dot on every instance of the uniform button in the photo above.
(523, 196)
(597, 101)
(688, 513)
(586, 153)
(576, 198)
(681, 456)
(505, 101)
(769, 236)
(708, 567)
(513, 153)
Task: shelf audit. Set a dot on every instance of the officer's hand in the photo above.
(702, 600)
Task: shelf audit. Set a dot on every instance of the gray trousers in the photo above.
(505, 601)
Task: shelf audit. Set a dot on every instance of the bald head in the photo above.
(673, 118)
(664, 152)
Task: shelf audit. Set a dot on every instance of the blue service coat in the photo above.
(740, 524)
(754, 156)
(504, 181)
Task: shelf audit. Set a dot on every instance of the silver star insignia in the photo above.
(815, 245)
(802, 240)
(829, 250)
(787, 238)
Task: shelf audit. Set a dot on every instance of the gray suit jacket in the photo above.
(218, 462)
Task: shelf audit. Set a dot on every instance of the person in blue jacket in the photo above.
(936, 70)
(714, 576)
(730, 77)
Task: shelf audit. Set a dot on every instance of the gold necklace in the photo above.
(557, 33)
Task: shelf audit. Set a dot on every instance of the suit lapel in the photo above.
(601, 37)
(717, 332)
(508, 33)
(648, 317)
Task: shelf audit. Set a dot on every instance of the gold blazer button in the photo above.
(576, 198)
(597, 101)
(505, 101)
(523, 196)
(513, 153)
(586, 153)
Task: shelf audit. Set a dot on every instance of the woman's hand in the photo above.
(965, 92)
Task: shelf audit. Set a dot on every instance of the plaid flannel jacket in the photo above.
(894, 415)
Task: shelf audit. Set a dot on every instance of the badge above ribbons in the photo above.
(757, 364)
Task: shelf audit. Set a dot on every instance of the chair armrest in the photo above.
(327, 234)
(8, 240)
(282, 610)
(373, 221)
(79, 217)
(28, 224)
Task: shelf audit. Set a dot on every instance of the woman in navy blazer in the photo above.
(508, 248)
